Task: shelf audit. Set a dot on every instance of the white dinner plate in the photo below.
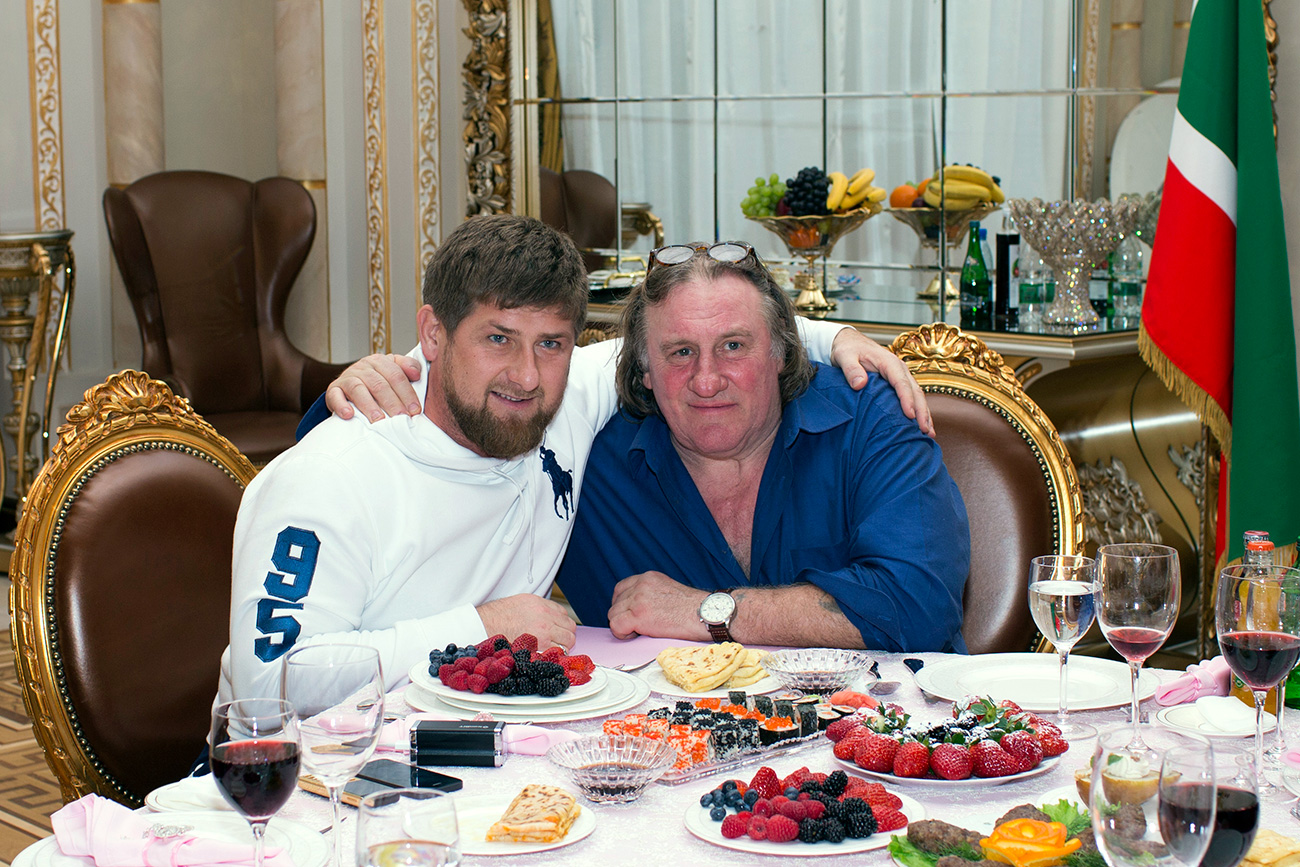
(420, 675)
(654, 675)
(191, 793)
(305, 847)
(699, 824)
(1188, 718)
(938, 783)
(1033, 680)
(476, 813)
(622, 692)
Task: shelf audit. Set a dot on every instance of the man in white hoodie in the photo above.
(447, 525)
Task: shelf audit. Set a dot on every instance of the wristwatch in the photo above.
(716, 612)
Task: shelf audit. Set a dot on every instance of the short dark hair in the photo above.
(634, 358)
(508, 261)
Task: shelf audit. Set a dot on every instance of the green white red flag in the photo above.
(1216, 320)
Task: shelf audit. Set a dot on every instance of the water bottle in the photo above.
(975, 292)
(1034, 277)
(1126, 281)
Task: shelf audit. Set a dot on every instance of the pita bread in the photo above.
(699, 669)
(1272, 849)
(750, 671)
(538, 814)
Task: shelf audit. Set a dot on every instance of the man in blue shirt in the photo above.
(745, 493)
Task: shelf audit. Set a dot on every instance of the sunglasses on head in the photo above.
(727, 252)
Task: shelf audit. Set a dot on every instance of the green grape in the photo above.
(776, 179)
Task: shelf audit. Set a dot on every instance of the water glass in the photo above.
(1061, 598)
(407, 828)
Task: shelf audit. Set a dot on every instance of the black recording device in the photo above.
(470, 743)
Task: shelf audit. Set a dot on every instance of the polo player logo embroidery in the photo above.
(561, 482)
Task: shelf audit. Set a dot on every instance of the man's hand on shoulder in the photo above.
(514, 615)
(653, 604)
(856, 354)
(377, 385)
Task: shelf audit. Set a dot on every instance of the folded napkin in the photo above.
(520, 739)
(1209, 677)
(1227, 714)
(114, 836)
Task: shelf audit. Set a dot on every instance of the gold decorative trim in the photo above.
(128, 413)
(1087, 110)
(47, 112)
(128, 2)
(487, 103)
(424, 63)
(312, 183)
(376, 146)
(1126, 25)
(1182, 25)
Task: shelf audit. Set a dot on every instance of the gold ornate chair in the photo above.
(1016, 477)
(121, 588)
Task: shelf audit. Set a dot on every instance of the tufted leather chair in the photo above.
(1017, 480)
(121, 588)
(209, 261)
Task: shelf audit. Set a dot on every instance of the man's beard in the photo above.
(496, 437)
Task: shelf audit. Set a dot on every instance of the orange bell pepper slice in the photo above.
(1028, 843)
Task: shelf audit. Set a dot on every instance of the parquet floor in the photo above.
(28, 791)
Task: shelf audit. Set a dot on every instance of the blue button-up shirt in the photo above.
(854, 499)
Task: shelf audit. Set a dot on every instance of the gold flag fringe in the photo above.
(1197, 399)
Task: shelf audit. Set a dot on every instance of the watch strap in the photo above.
(719, 632)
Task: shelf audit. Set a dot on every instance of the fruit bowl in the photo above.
(821, 670)
(815, 235)
(925, 221)
(612, 769)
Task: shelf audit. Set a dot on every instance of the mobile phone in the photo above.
(399, 775)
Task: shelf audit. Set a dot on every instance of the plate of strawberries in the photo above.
(985, 743)
(801, 814)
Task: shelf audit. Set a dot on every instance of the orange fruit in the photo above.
(903, 196)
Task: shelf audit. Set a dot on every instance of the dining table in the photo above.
(653, 829)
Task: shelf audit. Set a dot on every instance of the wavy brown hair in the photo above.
(634, 358)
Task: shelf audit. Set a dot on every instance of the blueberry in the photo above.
(792, 793)
(750, 798)
(729, 786)
(706, 800)
(718, 813)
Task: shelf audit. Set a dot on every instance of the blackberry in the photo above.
(832, 830)
(521, 657)
(810, 786)
(833, 808)
(500, 644)
(854, 805)
(810, 831)
(546, 670)
(835, 783)
(552, 686)
(859, 825)
(806, 193)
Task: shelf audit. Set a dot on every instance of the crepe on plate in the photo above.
(699, 669)
(538, 814)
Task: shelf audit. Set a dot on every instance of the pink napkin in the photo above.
(1209, 677)
(520, 739)
(115, 836)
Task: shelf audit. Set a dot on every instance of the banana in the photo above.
(861, 179)
(852, 200)
(933, 197)
(962, 189)
(976, 176)
(877, 194)
(839, 186)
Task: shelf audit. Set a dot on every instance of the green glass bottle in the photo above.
(976, 285)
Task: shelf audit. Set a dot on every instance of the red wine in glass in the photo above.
(1135, 643)
(1184, 813)
(1235, 823)
(1259, 657)
(256, 776)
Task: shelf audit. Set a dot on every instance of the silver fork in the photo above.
(625, 667)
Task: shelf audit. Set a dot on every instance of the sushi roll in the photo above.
(775, 730)
(738, 697)
(783, 707)
(763, 704)
(807, 718)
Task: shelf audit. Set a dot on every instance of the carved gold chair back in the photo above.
(1019, 485)
(121, 588)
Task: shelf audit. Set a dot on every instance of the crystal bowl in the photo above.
(818, 669)
(612, 769)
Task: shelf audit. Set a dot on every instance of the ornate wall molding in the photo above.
(487, 107)
(376, 149)
(47, 112)
(1087, 105)
(1116, 509)
(424, 63)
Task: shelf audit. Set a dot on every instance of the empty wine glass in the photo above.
(1153, 803)
(407, 828)
(1259, 634)
(254, 753)
(339, 692)
(1139, 588)
(1061, 590)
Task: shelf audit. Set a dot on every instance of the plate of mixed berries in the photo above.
(986, 743)
(501, 672)
(803, 814)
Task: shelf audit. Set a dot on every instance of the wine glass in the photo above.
(407, 828)
(254, 755)
(1139, 587)
(339, 692)
(1236, 815)
(1258, 634)
(1153, 803)
(1061, 590)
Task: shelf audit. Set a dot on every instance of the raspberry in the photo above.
(483, 666)
(734, 826)
(794, 809)
(782, 829)
(526, 641)
(508, 662)
(496, 672)
(763, 807)
(951, 761)
(847, 746)
(757, 829)
(912, 760)
(889, 820)
(877, 754)
(766, 783)
(444, 672)
(577, 678)
(1025, 747)
(477, 683)
(503, 653)
(459, 680)
(467, 664)
(815, 809)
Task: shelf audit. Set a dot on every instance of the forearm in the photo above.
(795, 615)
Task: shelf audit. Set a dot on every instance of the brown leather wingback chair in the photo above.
(121, 588)
(1019, 485)
(209, 261)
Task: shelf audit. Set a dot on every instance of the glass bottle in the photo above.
(1032, 295)
(1126, 281)
(975, 292)
(1259, 552)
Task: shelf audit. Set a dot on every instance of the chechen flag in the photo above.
(1216, 321)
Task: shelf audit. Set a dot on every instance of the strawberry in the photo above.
(1025, 747)
(856, 787)
(577, 678)
(734, 826)
(912, 760)
(488, 646)
(477, 683)
(951, 761)
(884, 799)
(849, 745)
(782, 829)
(553, 654)
(796, 779)
(795, 810)
(876, 754)
(990, 760)
(1052, 743)
(842, 727)
(889, 820)
(526, 641)
(582, 662)
(757, 829)
(765, 782)
(1009, 705)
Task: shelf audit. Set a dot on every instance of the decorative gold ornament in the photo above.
(424, 60)
(376, 151)
(487, 108)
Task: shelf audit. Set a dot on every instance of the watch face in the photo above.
(717, 608)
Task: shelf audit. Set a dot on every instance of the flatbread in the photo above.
(1272, 849)
(538, 814)
(699, 669)
(750, 671)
